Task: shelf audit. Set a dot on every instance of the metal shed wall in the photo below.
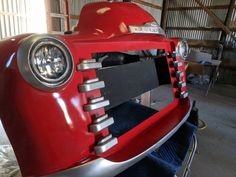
(184, 23)
(21, 16)
(76, 6)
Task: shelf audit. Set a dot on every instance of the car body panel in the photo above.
(49, 129)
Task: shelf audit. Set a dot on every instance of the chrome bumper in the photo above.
(105, 168)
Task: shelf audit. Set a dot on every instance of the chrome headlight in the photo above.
(45, 62)
(182, 49)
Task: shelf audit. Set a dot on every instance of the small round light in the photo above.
(45, 62)
(182, 49)
(50, 63)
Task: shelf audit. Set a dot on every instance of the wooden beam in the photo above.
(48, 16)
(198, 8)
(147, 4)
(230, 13)
(232, 24)
(216, 20)
(203, 43)
(74, 17)
(55, 15)
(198, 28)
(67, 10)
(227, 20)
(194, 28)
(164, 15)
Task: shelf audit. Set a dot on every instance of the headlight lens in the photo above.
(182, 49)
(45, 62)
(49, 62)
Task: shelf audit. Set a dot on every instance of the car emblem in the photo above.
(148, 28)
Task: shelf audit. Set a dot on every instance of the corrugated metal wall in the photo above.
(193, 18)
(21, 16)
(78, 4)
(156, 13)
(196, 18)
(229, 41)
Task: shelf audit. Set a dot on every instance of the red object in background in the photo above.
(49, 130)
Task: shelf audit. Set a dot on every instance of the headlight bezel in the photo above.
(27, 69)
(178, 53)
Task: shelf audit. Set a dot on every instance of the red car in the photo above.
(65, 99)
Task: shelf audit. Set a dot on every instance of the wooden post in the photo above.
(48, 16)
(67, 10)
(227, 20)
(146, 99)
(164, 16)
(216, 20)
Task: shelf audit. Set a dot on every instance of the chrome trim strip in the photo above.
(105, 144)
(96, 103)
(91, 84)
(88, 64)
(184, 94)
(105, 168)
(98, 126)
(148, 28)
(191, 156)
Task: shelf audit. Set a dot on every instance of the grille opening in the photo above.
(132, 81)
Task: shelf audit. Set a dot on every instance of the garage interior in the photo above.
(209, 26)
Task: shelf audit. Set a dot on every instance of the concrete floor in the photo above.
(217, 143)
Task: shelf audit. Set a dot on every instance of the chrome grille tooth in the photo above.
(96, 103)
(88, 64)
(183, 94)
(91, 84)
(100, 125)
(105, 144)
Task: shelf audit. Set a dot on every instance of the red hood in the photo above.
(105, 20)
